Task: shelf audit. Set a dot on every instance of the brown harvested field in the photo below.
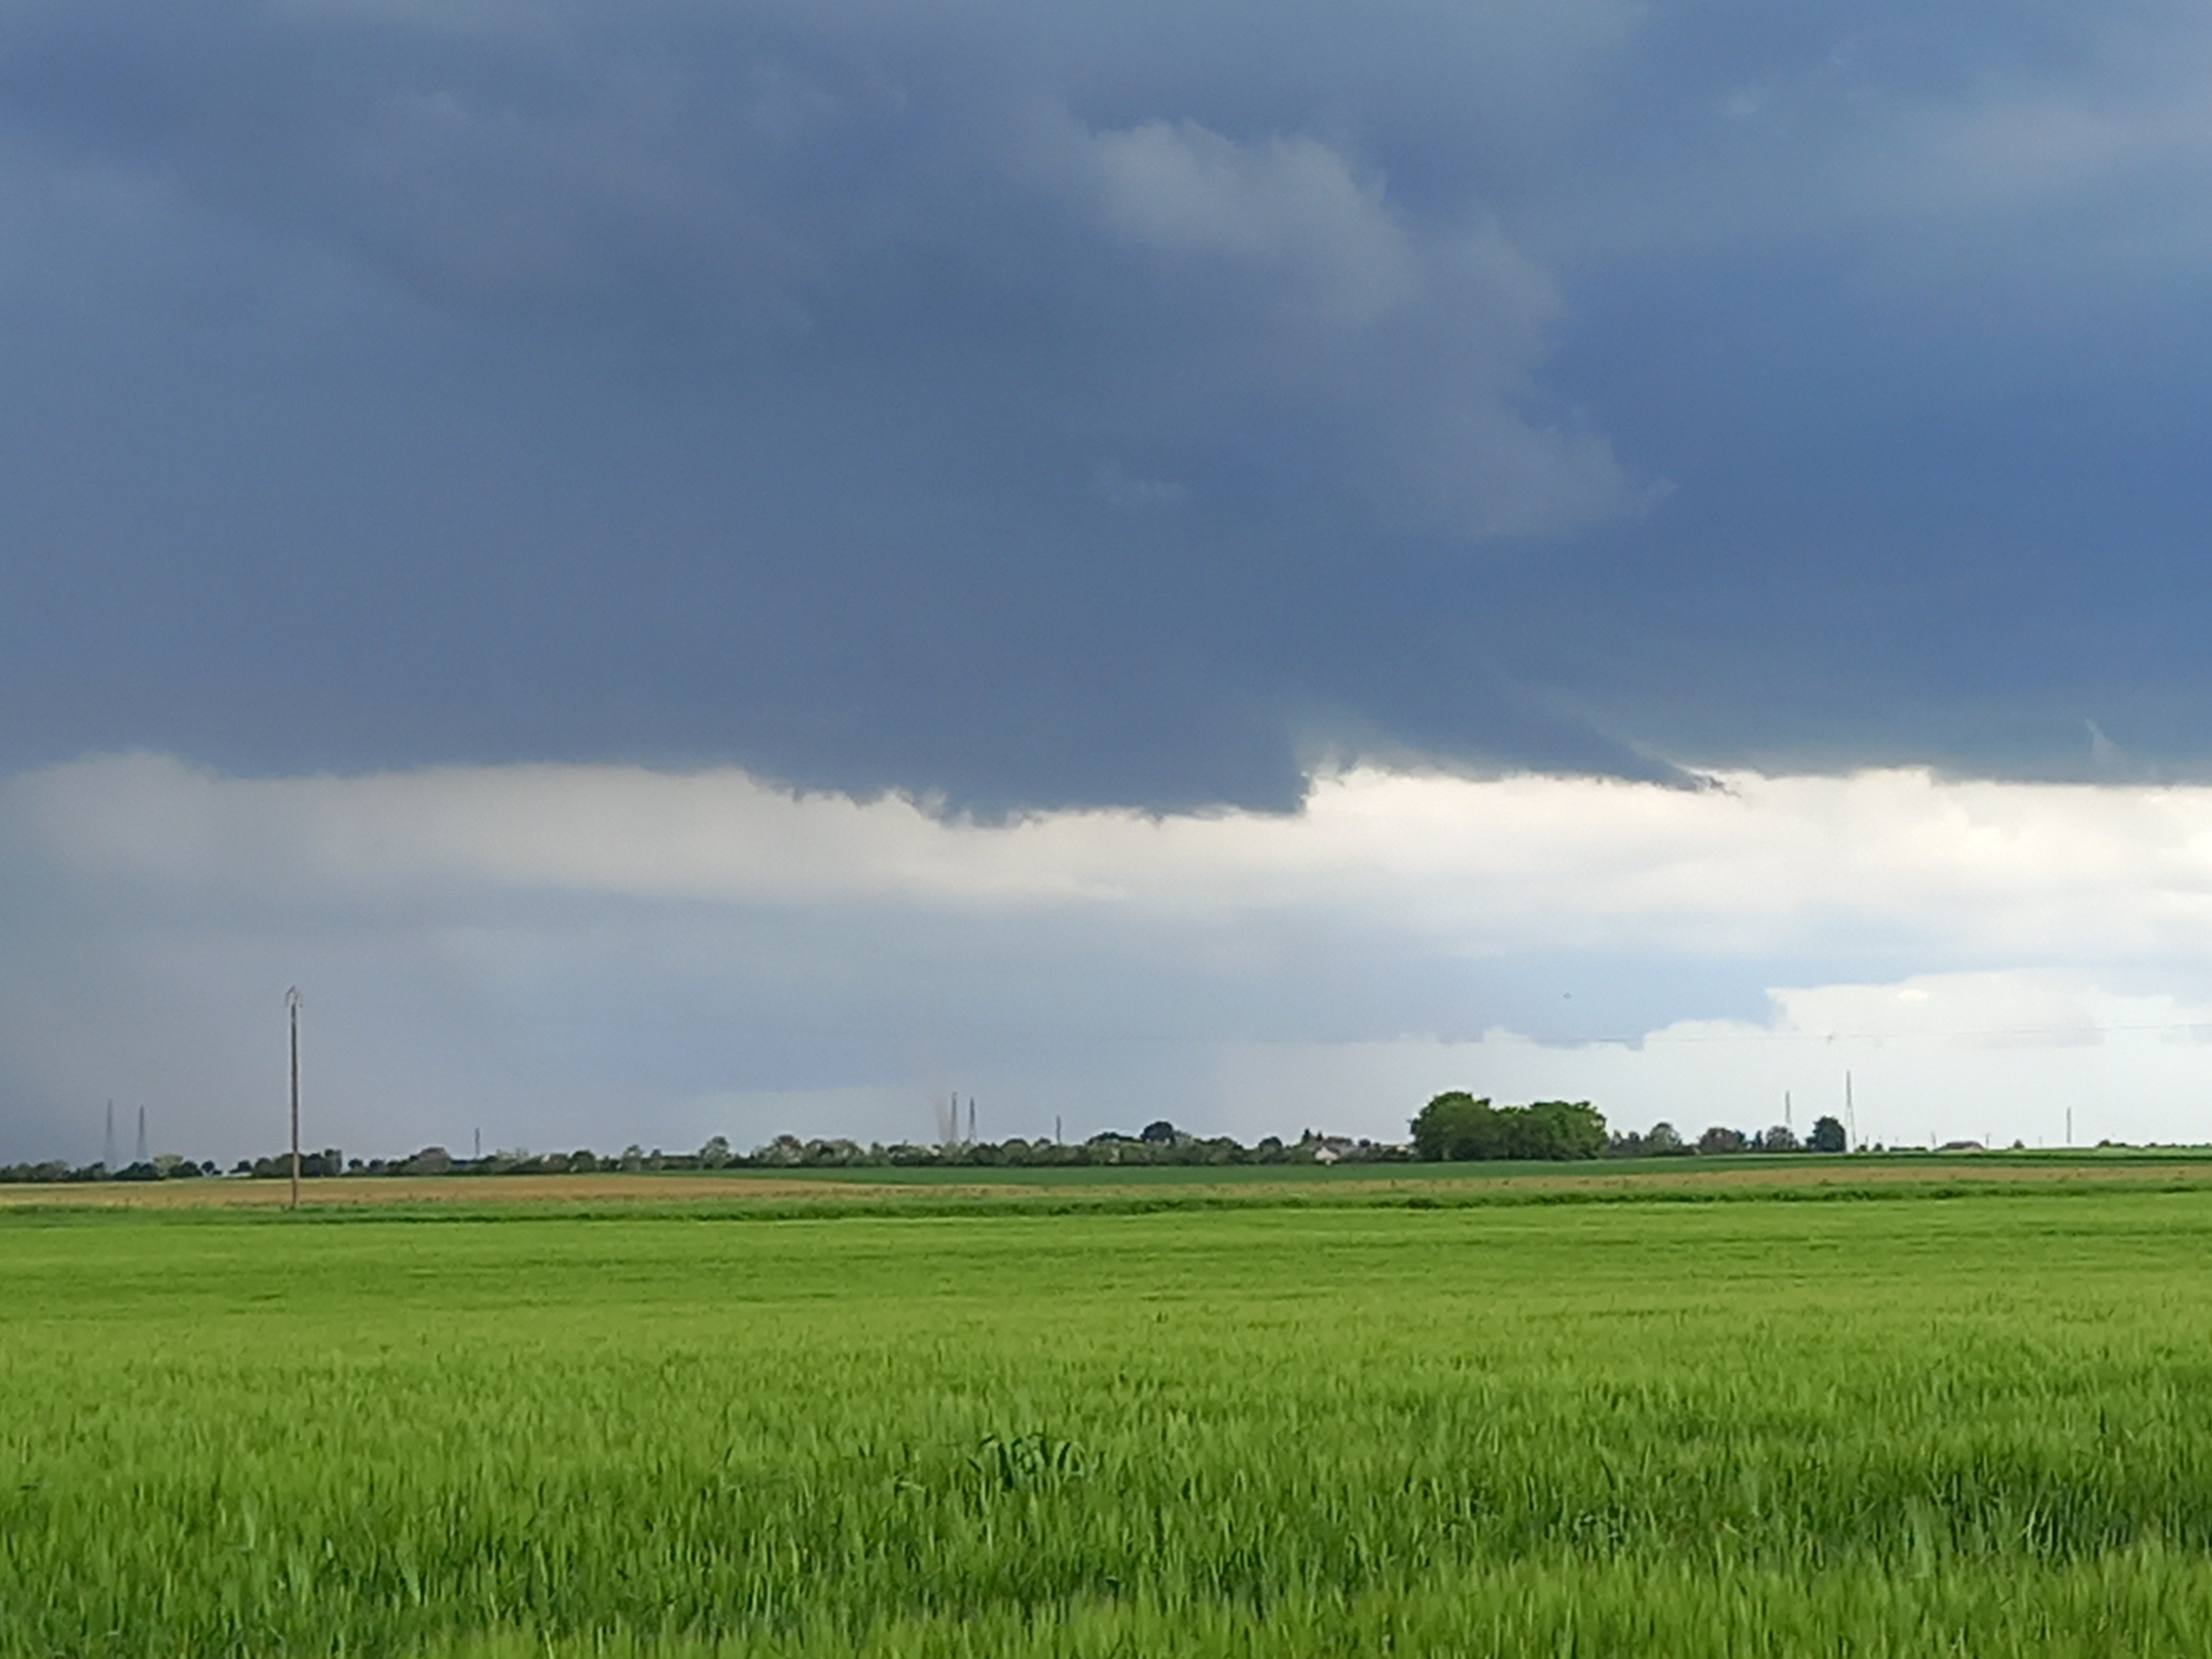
(1858, 1176)
(740, 1186)
(438, 1189)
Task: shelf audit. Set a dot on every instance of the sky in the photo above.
(689, 568)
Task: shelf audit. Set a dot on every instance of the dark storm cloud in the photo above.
(1099, 403)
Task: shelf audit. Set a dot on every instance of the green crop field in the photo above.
(1978, 1424)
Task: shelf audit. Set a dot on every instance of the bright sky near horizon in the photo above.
(692, 568)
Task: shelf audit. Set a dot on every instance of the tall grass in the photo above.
(1969, 1425)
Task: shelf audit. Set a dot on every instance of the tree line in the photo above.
(1159, 1143)
(1454, 1126)
(1458, 1127)
(1664, 1140)
(166, 1167)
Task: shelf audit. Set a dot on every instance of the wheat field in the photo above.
(1978, 1423)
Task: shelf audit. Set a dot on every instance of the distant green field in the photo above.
(1919, 1165)
(1974, 1424)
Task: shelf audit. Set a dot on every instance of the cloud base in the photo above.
(609, 954)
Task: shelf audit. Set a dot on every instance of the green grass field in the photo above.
(1977, 1424)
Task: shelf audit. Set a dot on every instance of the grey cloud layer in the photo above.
(1101, 403)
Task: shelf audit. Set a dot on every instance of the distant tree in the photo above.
(1560, 1129)
(1160, 1133)
(1828, 1136)
(1661, 1140)
(1457, 1127)
(1718, 1141)
(715, 1154)
(1779, 1139)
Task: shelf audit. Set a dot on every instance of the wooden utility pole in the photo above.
(292, 1003)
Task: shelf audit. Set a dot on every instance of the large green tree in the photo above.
(1457, 1127)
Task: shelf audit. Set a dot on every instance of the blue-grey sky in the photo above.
(1029, 409)
(1103, 403)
